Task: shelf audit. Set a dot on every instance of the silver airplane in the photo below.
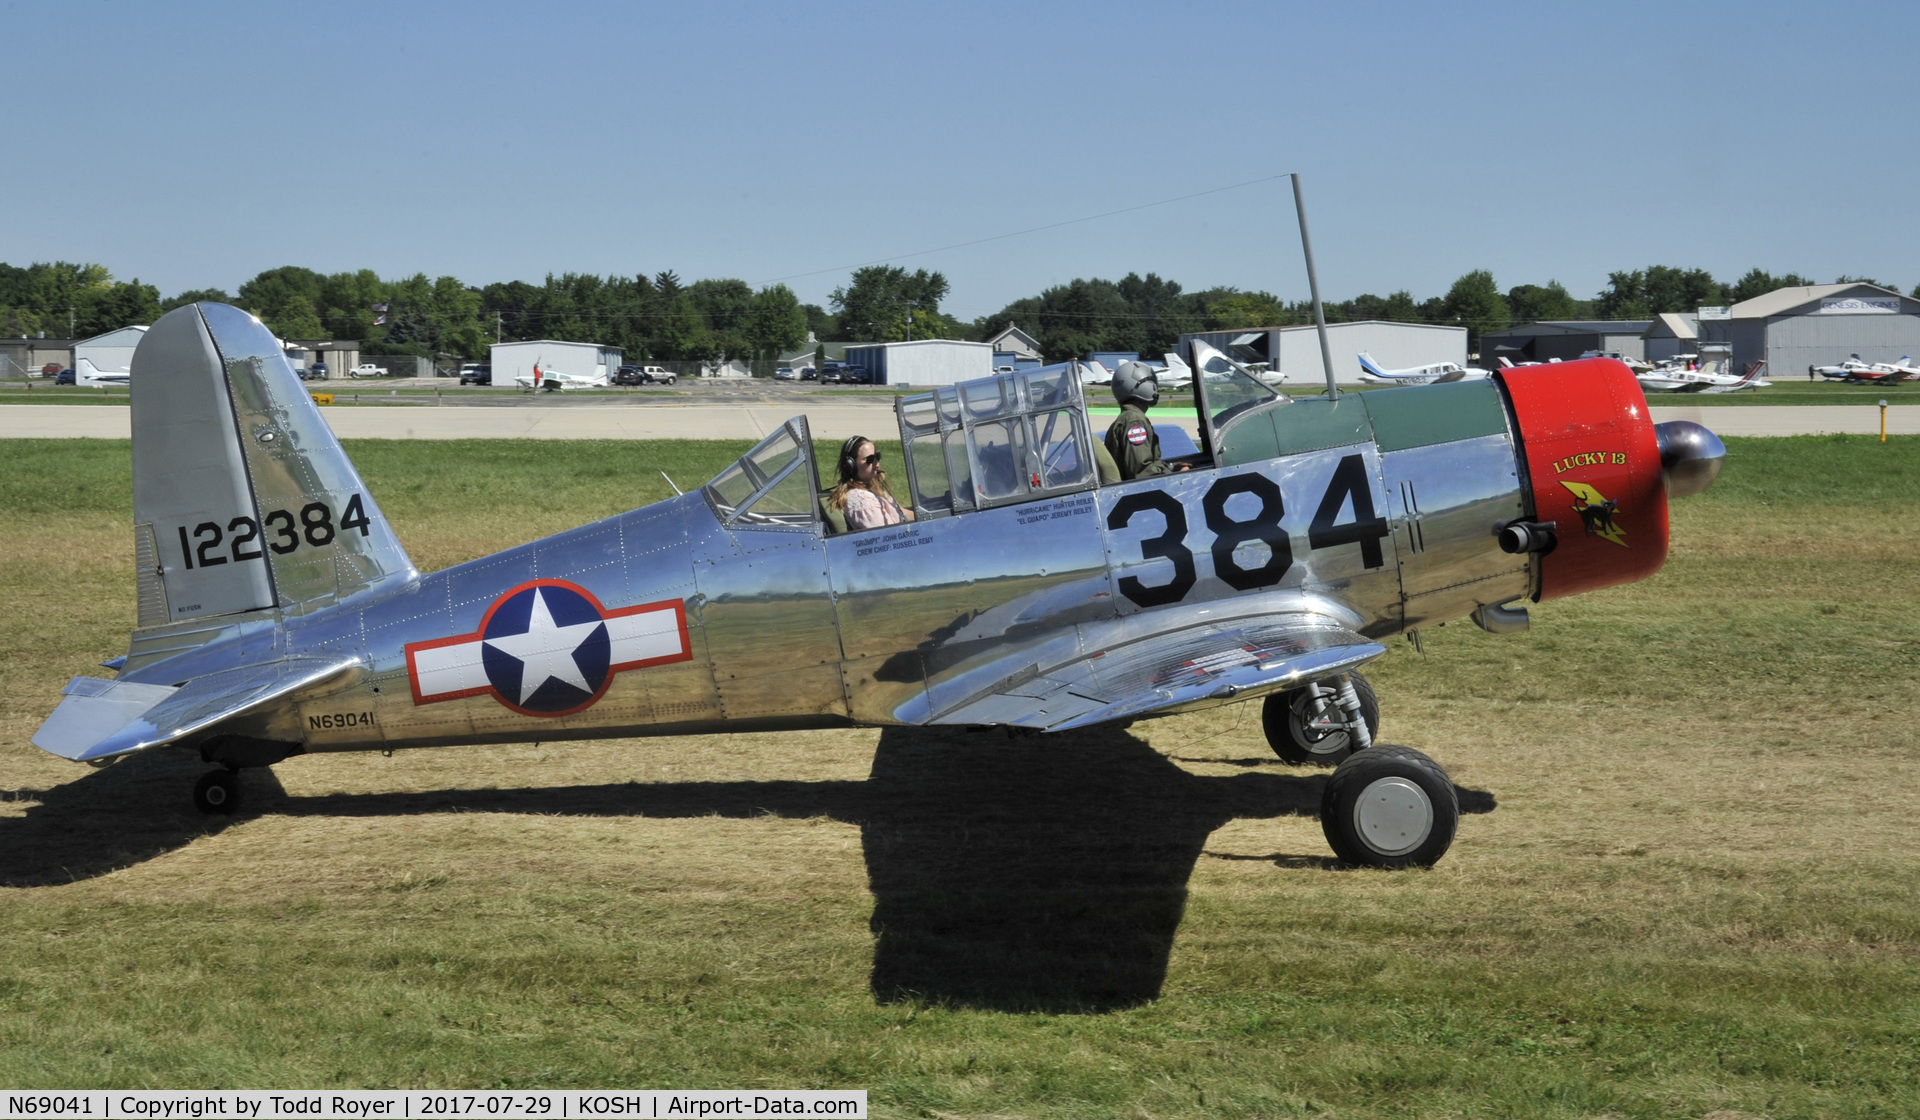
(278, 614)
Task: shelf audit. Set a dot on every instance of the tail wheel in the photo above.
(217, 792)
(1300, 736)
(1390, 807)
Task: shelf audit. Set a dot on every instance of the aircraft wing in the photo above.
(1196, 666)
(100, 718)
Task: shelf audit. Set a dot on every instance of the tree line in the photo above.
(660, 317)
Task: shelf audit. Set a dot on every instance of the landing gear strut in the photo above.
(1322, 723)
(217, 791)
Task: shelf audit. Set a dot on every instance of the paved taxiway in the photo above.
(828, 420)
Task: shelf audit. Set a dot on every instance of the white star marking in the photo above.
(545, 651)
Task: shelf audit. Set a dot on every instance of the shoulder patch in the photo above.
(1136, 434)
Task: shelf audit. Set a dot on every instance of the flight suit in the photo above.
(1135, 445)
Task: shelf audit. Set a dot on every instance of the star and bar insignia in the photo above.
(548, 648)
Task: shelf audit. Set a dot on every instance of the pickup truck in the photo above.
(368, 369)
(656, 375)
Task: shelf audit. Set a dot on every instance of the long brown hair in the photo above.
(850, 474)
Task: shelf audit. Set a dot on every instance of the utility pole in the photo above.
(496, 326)
(69, 322)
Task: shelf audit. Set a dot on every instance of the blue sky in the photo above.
(193, 145)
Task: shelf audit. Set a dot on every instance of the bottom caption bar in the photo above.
(378, 1104)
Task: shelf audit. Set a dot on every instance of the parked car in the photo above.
(368, 369)
(809, 374)
(51, 369)
(63, 377)
(626, 375)
(318, 371)
(476, 373)
(831, 375)
(657, 375)
(856, 375)
(786, 373)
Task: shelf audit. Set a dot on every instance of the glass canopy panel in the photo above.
(932, 494)
(1000, 447)
(990, 398)
(1230, 389)
(791, 501)
(1052, 389)
(1057, 438)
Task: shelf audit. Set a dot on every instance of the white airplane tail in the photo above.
(1372, 368)
(244, 504)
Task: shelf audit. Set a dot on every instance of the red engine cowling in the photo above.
(1593, 464)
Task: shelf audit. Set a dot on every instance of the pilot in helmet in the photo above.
(1131, 440)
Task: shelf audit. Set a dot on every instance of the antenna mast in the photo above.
(1313, 285)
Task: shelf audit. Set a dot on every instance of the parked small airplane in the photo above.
(279, 615)
(86, 373)
(1680, 376)
(549, 381)
(1855, 371)
(1436, 374)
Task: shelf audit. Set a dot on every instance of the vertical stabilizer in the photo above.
(243, 500)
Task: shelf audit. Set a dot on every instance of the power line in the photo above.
(1024, 232)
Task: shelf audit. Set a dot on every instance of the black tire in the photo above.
(217, 792)
(1390, 807)
(1288, 720)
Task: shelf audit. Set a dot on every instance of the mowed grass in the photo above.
(1686, 884)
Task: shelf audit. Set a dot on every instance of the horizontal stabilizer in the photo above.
(100, 719)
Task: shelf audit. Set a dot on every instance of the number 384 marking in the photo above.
(1349, 482)
(314, 527)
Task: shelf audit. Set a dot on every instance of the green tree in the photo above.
(1758, 282)
(776, 322)
(288, 300)
(1476, 304)
(1658, 288)
(822, 324)
(1396, 308)
(1533, 303)
(78, 299)
(878, 303)
(1232, 309)
(196, 295)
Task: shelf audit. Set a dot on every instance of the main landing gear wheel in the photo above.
(1390, 807)
(1305, 738)
(217, 791)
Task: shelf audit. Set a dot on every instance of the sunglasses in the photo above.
(872, 460)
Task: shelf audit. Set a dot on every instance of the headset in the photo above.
(849, 457)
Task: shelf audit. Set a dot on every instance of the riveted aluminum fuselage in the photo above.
(789, 627)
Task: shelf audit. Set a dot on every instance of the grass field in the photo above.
(1687, 885)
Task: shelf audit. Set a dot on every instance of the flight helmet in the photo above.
(1134, 383)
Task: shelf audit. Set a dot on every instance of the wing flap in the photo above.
(99, 719)
(1193, 667)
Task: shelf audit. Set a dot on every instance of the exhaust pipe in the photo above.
(1501, 619)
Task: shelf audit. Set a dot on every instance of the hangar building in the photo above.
(111, 352)
(1564, 339)
(23, 357)
(1295, 351)
(1793, 328)
(588, 360)
(1672, 334)
(931, 361)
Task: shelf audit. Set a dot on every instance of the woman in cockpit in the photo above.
(863, 493)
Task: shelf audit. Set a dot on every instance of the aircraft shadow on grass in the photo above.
(1014, 874)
